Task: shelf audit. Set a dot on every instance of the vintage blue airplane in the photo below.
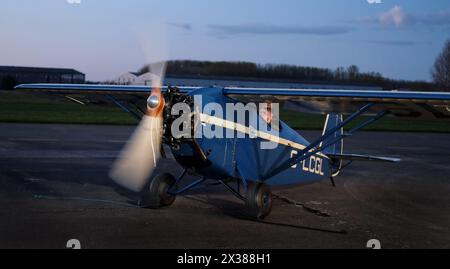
(241, 164)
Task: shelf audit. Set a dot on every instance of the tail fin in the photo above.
(331, 122)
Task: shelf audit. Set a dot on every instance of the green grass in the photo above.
(27, 107)
(38, 108)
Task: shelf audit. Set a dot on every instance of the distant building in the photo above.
(146, 78)
(128, 78)
(133, 78)
(41, 75)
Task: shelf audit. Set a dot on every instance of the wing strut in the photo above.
(315, 146)
(124, 108)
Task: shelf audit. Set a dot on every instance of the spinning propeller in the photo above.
(138, 159)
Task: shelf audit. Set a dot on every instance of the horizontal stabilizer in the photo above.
(359, 157)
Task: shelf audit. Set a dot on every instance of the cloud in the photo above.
(257, 29)
(394, 16)
(183, 26)
(397, 17)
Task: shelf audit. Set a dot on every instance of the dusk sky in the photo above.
(105, 38)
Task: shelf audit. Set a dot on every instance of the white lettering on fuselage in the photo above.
(293, 154)
(313, 164)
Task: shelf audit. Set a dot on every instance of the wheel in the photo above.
(156, 195)
(259, 201)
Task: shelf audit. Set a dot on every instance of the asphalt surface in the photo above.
(54, 187)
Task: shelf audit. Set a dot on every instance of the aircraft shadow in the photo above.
(235, 210)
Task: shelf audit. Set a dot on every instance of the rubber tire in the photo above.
(259, 201)
(157, 196)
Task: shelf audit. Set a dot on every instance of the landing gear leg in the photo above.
(332, 182)
(157, 195)
(259, 201)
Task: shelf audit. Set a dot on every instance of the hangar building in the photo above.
(18, 75)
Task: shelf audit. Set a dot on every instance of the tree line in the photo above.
(287, 73)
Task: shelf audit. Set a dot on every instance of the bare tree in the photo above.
(353, 72)
(441, 68)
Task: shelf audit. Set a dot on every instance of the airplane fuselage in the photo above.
(247, 158)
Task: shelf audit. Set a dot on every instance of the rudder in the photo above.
(332, 120)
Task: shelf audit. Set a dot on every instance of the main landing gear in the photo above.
(259, 201)
(157, 194)
(163, 189)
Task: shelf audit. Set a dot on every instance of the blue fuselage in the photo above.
(245, 158)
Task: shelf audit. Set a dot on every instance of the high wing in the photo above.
(130, 98)
(427, 105)
(94, 88)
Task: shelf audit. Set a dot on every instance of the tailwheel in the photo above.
(157, 195)
(259, 201)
